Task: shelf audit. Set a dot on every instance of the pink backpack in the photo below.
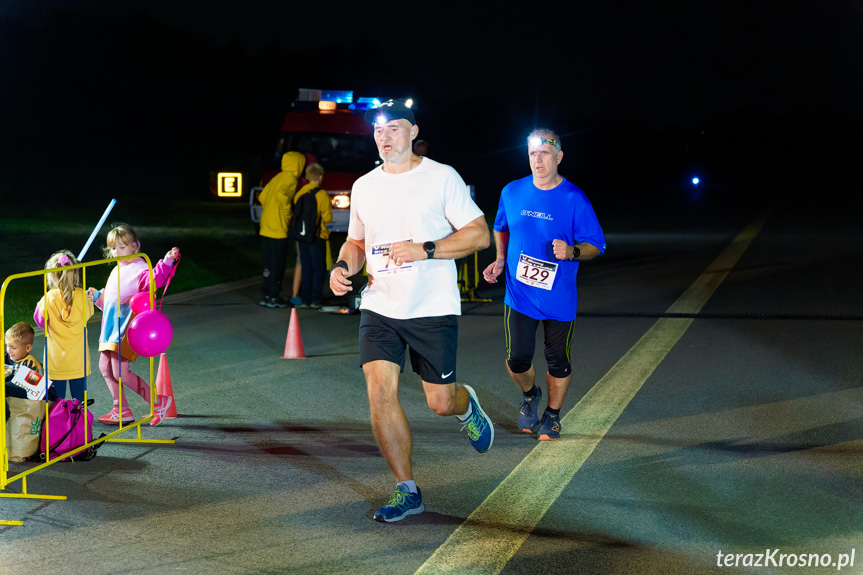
(65, 429)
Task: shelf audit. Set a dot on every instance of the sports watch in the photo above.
(429, 247)
(340, 264)
(575, 253)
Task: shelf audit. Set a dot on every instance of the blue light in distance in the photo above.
(364, 103)
(695, 181)
(339, 96)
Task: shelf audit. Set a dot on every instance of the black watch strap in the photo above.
(575, 253)
(340, 264)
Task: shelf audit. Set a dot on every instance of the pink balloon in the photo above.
(150, 333)
(140, 302)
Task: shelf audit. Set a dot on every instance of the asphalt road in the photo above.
(715, 410)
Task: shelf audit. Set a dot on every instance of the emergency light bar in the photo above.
(337, 96)
(365, 104)
(333, 99)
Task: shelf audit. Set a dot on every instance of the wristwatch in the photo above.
(575, 253)
(429, 247)
(340, 264)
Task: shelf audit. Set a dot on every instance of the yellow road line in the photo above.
(495, 531)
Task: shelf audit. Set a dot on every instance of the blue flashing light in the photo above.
(695, 181)
(338, 96)
(364, 103)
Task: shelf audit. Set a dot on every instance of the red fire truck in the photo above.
(328, 127)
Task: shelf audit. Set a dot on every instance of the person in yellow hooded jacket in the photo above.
(276, 200)
(313, 252)
(67, 308)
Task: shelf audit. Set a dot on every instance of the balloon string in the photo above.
(168, 282)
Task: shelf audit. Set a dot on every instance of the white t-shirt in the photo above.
(427, 203)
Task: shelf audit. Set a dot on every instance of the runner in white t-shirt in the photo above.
(410, 218)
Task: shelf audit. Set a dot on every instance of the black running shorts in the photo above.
(520, 333)
(433, 342)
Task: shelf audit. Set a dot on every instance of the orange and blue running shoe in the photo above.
(549, 427)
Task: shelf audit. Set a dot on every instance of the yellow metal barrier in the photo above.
(465, 285)
(89, 442)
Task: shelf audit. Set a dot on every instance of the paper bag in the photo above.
(24, 427)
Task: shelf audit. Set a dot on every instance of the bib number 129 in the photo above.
(535, 272)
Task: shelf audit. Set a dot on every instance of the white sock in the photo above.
(411, 485)
(467, 415)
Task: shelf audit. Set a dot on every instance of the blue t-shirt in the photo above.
(534, 218)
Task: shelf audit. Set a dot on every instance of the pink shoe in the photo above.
(163, 402)
(113, 418)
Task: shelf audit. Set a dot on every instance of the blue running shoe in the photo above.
(400, 505)
(479, 427)
(528, 416)
(549, 427)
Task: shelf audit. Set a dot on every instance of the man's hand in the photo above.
(493, 270)
(561, 249)
(402, 253)
(339, 282)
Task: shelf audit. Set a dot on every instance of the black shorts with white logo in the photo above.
(433, 342)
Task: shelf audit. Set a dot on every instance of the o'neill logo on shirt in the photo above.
(540, 215)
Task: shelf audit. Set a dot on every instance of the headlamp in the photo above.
(538, 141)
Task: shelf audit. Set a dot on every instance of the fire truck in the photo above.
(328, 127)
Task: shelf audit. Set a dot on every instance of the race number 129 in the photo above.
(535, 272)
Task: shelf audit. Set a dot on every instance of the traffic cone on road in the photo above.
(294, 342)
(164, 387)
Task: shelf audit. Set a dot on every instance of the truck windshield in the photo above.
(336, 152)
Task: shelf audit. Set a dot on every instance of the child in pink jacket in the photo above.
(134, 277)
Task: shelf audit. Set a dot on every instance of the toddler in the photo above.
(19, 342)
(115, 353)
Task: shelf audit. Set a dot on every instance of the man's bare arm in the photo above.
(353, 253)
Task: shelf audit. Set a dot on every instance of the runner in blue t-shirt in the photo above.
(544, 227)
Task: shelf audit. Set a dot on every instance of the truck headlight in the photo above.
(342, 201)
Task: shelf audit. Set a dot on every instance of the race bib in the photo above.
(383, 266)
(535, 272)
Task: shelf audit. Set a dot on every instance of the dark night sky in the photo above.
(106, 86)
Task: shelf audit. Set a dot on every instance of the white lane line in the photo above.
(495, 531)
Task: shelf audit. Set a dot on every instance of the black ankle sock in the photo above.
(534, 391)
(555, 412)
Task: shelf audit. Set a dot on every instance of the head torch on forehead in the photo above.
(538, 141)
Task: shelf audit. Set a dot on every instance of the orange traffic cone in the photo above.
(294, 342)
(164, 387)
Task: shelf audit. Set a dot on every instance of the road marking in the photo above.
(495, 531)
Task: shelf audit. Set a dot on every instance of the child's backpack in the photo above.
(65, 430)
(304, 225)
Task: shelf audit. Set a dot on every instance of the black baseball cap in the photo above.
(390, 110)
